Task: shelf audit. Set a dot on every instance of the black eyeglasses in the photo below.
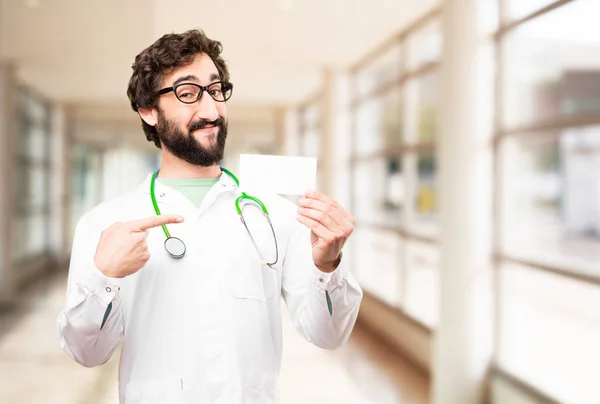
(189, 93)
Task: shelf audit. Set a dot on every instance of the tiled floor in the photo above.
(34, 370)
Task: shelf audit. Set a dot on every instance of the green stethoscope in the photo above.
(175, 247)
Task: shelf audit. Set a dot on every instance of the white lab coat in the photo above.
(205, 328)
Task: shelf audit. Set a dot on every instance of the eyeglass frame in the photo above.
(200, 93)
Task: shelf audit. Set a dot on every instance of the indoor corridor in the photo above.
(462, 137)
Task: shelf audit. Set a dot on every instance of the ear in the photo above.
(149, 115)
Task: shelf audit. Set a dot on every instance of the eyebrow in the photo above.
(191, 77)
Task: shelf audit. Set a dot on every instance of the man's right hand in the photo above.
(122, 249)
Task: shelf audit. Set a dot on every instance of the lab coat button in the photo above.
(321, 280)
(108, 289)
(162, 195)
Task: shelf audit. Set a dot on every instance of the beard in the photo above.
(186, 146)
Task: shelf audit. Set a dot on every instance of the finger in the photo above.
(317, 228)
(155, 221)
(314, 194)
(319, 196)
(144, 256)
(330, 210)
(320, 217)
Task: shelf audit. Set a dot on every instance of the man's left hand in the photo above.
(330, 226)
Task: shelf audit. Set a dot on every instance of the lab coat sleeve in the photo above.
(90, 325)
(323, 306)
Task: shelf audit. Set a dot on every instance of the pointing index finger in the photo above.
(155, 221)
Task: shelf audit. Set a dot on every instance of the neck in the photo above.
(173, 167)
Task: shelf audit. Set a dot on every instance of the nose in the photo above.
(207, 108)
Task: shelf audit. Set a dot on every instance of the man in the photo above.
(193, 290)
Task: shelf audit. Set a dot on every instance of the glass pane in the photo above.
(549, 331)
(22, 143)
(37, 195)
(22, 186)
(551, 198)
(385, 68)
(377, 262)
(379, 191)
(31, 183)
(422, 277)
(30, 236)
(310, 130)
(425, 45)
(19, 238)
(36, 109)
(427, 108)
(37, 233)
(424, 218)
(86, 181)
(379, 123)
(551, 72)
(38, 147)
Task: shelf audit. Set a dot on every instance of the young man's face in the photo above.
(193, 132)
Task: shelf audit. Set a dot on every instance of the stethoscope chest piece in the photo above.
(175, 247)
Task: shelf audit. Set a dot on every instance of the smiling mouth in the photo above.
(205, 128)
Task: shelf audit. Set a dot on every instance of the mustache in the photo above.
(202, 123)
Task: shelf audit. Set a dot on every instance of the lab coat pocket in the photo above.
(253, 280)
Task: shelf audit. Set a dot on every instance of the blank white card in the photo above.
(282, 175)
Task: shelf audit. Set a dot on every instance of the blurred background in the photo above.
(463, 136)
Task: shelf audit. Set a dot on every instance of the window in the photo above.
(551, 198)
(379, 190)
(425, 45)
(553, 73)
(394, 176)
(379, 123)
(548, 197)
(32, 178)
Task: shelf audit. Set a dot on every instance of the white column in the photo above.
(67, 177)
(8, 130)
(280, 129)
(462, 347)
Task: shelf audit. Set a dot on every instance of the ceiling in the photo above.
(80, 51)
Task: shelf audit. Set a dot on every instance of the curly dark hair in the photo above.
(168, 53)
